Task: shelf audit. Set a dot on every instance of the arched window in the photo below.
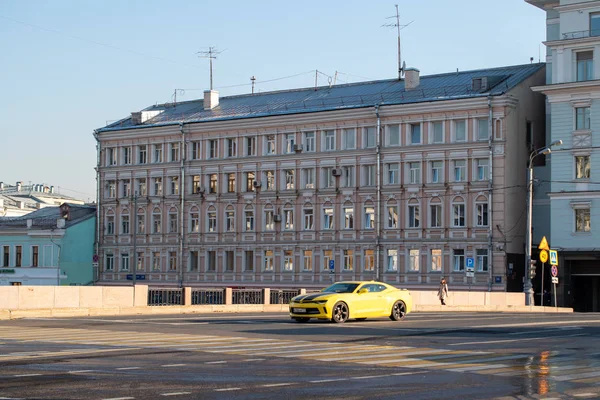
(288, 217)
(109, 223)
(249, 218)
(414, 213)
(308, 217)
(125, 221)
(156, 220)
(173, 220)
(229, 219)
(269, 218)
(392, 215)
(369, 215)
(348, 210)
(435, 213)
(194, 220)
(328, 217)
(458, 212)
(141, 221)
(211, 220)
(481, 210)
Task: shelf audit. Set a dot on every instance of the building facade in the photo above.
(51, 246)
(573, 184)
(403, 181)
(21, 199)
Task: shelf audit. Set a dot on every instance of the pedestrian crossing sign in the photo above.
(553, 257)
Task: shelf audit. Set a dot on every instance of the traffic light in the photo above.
(532, 264)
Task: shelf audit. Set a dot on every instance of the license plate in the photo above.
(299, 310)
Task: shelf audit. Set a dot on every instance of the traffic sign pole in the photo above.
(542, 302)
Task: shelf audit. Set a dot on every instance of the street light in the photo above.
(528, 285)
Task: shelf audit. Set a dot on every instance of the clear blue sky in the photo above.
(70, 66)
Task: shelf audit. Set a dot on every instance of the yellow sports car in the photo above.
(358, 300)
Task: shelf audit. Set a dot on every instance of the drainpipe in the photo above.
(378, 213)
(57, 257)
(490, 194)
(97, 238)
(182, 156)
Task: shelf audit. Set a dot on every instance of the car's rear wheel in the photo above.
(398, 311)
(340, 312)
(301, 319)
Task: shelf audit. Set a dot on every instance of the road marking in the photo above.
(83, 371)
(277, 384)
(370, 377)
(120, 398)
(228, 389)
(540, 323)
(253, 359)
(476, 368)
(175, 393)
(126, 368)
(173, 365)
(577, 376)
(566, 328)
(514, 340)
(584, 394)
(26, 375)
(329, 380)
(216, 362)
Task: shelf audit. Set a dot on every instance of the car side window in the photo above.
(370, 288)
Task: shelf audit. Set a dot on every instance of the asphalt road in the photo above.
(269, 356)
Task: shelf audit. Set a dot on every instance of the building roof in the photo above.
(455, 85)
(47, 217)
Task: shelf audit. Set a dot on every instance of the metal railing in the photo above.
(165, 297)
(581, 34)
(208, 296)
(247, 296)
(283, 296)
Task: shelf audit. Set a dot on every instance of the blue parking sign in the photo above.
(470, 262)
(332, 264)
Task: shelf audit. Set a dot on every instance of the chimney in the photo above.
(19, 186)
(411, 78)
(51, 189)
(211, 99)
(29, 223)
(1, 185)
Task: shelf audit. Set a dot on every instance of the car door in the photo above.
(367, 301)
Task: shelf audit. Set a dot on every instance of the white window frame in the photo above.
(391, 264)
(437, 260)
(349, 139)
(329, 140)
(310, 140)
(391, 223)
(414, 260)
(369, 217)
(348, 260)
(482, 260)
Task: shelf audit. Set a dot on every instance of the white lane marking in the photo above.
(127, 368)
(403, 373)
(479, 367)
(216, 362)
(562, 329)
(370, 377)
(310, 348)
(331, 350)
(329, 380)
(26, 375)
(175, 393)
(577, 376)
(173, 365)
(375, 357)
(83, 371)
(277, 384)
(584, 394)
(539, 323)
(514, 340)
(253, 359)
(120, 398)
(228, 389)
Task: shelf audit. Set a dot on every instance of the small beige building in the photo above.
(403, 181)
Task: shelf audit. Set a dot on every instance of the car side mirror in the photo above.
(361, 291)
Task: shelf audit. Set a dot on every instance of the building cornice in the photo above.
(578, 6)
(588, 194)
(555, 92)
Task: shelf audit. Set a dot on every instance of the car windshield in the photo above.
(341, 288)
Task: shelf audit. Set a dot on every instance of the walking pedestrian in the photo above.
(443, 291)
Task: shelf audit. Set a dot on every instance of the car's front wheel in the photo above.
(301, 319)
(398, 311)
(340, 312)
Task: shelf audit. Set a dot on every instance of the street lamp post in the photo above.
(527, 284)
(135, 258)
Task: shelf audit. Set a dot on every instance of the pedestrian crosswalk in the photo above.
(72, 342)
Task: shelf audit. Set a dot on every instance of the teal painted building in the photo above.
(50, 246)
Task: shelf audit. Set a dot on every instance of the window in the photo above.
(348, 217)
(125, 224)
(158, 153)
(458, 212)
(156, 221)
(582, 220)
(329, 140)
(460, 131)
(328, 223)
(348, 260)
(309, 219)
(231, 147)
(229, 261)
(369, 260)
(109, 264)
(413, 216)
(288, 216)
(414, 170)
(141, 222)
(482, 214)
(270, 179)
(250, 146)
(194, 222)
(288, 261)
(585, 66)
(394, 135)
(213, 183)
(327, 180)
(158, 189)
(270, 144)
(250, 180)
(174, 185)
(125, 262)
(231, 183)
(594, 24)
(213, 148)
(6, 256)
(112, 189)
(392, 221)
(369, 175)
(582, 167)
(308, 260)
(35, 252)
(290, 141)
(415, 133)
(172, 261)
(174, 151)
(110, 225)
(348, 176)
(308, 177)
(327, 257)
(458, 260)
(290, 179)
(268, 260)
(435, 215)
(309, 142)
(142, 154)
(173, 221)
(582, 118)
(212, 220)
(211, 260)
(111, 156)
(436, 171)
(139, 265)
(436, 260)
(269, 220)
(193, 261)
(413, 260)
(483, 129)
(195, 150)
(18, 256)
(196, 184)
(156, 261)
(126, 188)
(349, 139)
(248, 260)
(459, 170)
(229, 219)
(392, 260)
(437, 133)
(392, 173)
(141, 187)
(249, 219)
(370, 137)
(482, 260)
(483, 170)
(369, 217)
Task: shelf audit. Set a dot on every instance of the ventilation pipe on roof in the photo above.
(211, 99)
(19, 186)
(411, 78)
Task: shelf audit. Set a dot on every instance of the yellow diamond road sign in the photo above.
(544, 245)
(543, 256)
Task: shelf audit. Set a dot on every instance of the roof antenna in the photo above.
(211, 54)
(401, 66)
(253, 78)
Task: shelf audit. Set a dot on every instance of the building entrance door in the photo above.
(586, 293)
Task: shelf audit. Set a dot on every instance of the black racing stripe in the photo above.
(314, 296)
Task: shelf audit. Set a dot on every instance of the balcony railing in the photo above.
(581, 34)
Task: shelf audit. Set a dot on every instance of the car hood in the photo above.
(313, 297)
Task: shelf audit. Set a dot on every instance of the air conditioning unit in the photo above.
(201, 190)
(337, 172)
(297, 147)
(277, 218)
(257, 184)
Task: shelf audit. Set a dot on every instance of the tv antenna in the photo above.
(253, 79)
(401, 66)
(211, 54)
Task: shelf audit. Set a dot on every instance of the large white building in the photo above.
(404, 181)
